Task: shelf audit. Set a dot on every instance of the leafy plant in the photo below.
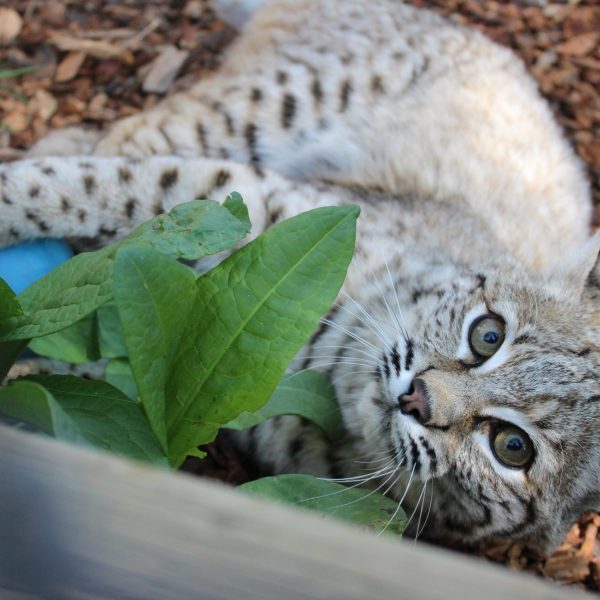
(191, 353)
(355, 505)
(186, 354)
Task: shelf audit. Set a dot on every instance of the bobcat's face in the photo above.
(489, 402)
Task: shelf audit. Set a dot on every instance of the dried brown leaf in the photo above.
(17, 120)
(69, 66)
(164, 69)
(10, 25)
(582, 19)
(97, 48)
(580, 45)
(44, 104)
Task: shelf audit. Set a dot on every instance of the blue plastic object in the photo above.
(24, 263)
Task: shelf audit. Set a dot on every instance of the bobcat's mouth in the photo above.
(415, 453)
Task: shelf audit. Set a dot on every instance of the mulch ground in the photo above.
(91, 62)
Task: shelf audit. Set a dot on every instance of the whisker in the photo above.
(346, 488)
(362, 478)
(352, 373)
(372, 491)
(327, 364)
(378, 331)
(420, 531)
(416, 508)
(400, 314)
(348, 332)
(422, 503)
(399, 502)
(388, 307)
(369, 462)
(353, 349)
(341, 359)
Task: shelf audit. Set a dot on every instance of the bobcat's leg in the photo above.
(104, 198)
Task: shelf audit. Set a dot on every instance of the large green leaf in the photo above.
(153, 294)
(118, 373)
(111, 341)
(82, 284)
(77, 343)
(9, 309)
(251, 315)
(367, 508)
(86, 412)
(308, 394)
(30, 402)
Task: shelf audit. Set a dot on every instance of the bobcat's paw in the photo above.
(71, 141)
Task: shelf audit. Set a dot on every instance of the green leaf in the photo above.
(85, 412)
(64, 296)
(82, 284)
(195, 229)
(110, 332)
(153, 294)
(307, 394)
(235, 205)
(367, 508)
(118, 373)
(32, 403)
(10, 73)
(251, 315)
(9, 309)
(77, 343)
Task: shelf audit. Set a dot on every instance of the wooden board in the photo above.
(79, 524)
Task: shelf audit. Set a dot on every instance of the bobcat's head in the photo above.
(486, 396)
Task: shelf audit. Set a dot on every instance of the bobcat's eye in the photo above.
(486, 335)
(512, 446)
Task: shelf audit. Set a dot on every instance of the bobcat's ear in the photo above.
(580, 268)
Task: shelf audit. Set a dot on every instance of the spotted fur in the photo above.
(472, 203)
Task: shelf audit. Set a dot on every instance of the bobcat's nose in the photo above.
(416, 402)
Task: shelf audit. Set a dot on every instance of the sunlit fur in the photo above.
(472, 203)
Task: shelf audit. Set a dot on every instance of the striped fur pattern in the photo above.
(472, 205)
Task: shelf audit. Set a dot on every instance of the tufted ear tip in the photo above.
(580, 268)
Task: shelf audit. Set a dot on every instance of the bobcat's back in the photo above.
(390, 98)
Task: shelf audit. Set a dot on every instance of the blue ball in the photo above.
(24, 263)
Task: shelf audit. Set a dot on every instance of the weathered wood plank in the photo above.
(79, 524)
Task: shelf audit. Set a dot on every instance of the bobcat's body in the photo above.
(472, 204)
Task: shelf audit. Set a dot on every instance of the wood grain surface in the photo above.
(80, 524)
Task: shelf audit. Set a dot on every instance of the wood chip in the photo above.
(579, 45)
(16, 120)
(566, 568)
(193, 9)
(98, 102)
(10, 25)
(45, 104)
(69, 66)
(581, 20)
(96, 48)
(73, 105)
(164, 69)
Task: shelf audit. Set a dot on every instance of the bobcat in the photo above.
(465, 345)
